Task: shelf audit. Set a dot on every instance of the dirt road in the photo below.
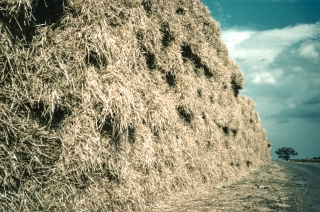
(279, 186)
(304, 179)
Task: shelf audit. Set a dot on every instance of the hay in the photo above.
(111, 105)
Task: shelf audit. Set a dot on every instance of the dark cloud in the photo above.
(282, 120)
(283, 89)
(293, 60)
(312, 101)
(240, 59)
(313, 86)
(310, 114)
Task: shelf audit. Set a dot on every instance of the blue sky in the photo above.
(276, 43)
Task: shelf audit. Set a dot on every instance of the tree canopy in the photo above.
(285, 152)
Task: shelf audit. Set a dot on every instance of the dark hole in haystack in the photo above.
(225, 129)
(199, 92)
(211, 99)
(187, 54)
(48, 11)
(21, 26)
(113, 176)
(251, 121)
(204, 116)
(248, 163)
(59, 114)
(122, 16)
(15, 21)
(167, 36)
(131, 133)
(185, 114)
(225, 86)
(95, 59)
(45, 117)
(181, 11)
(147, 5)
(197, 142)
(207, 72)
(150, 57)
(210, 145)
(235, 87)
(204, 179)
(269, 145)
(44, 12)
(156, 132)
(109, 128)
(171, 79)
(150, 60)
(140, 36)
(84, 181)
(234, 132)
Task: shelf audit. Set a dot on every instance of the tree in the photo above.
(285, 152)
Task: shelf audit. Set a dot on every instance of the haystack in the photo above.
(112, 105)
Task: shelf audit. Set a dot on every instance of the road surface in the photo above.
(304, 181)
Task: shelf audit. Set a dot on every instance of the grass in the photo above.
(267, 188)
(305, 160)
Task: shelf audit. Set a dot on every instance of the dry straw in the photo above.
(113, 105)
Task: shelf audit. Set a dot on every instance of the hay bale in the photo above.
(111, 105)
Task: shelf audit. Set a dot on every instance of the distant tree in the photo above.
(285, 152)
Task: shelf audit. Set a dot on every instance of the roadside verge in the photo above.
(265, 189)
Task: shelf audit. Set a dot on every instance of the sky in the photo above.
(276, 44)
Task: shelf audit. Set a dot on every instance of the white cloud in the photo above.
(235, 37)
(255, 50)
(265, 45)
(292, 105)
(308, 50)
(297, 69)
(264, 78)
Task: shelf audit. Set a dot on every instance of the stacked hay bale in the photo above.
(111, 105)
